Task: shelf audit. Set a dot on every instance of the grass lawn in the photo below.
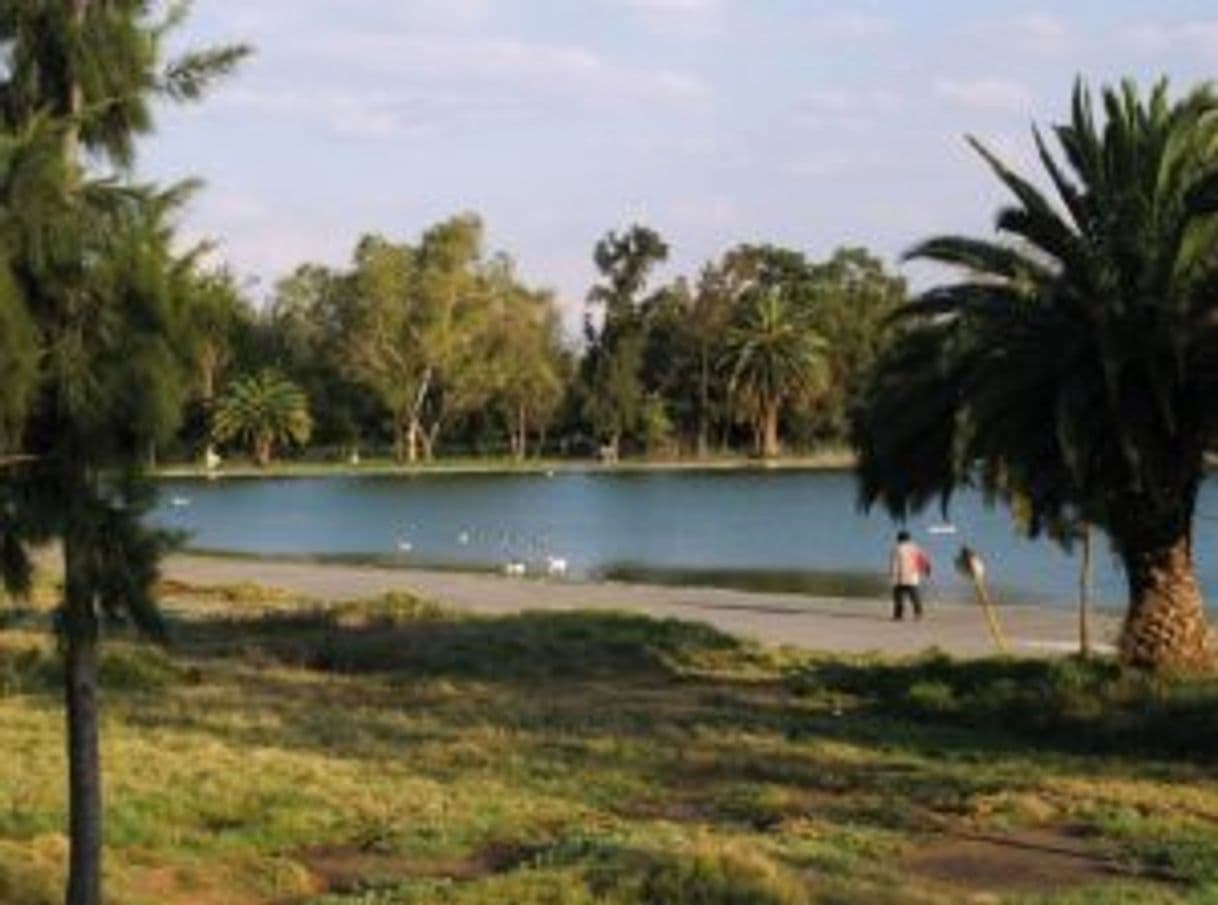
(388, 752)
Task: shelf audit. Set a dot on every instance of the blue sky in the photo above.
(808, 123)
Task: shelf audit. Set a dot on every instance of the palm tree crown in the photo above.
(264, 410)
(1073, 363)
(772, 354)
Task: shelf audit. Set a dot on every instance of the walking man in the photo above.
(908, 566)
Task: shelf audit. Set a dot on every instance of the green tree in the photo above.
(772, 354)
(90, 270)
(707, 326)
(216, 317)
(614, 356)
(417, 334)
(453, 290)
(852, 297)
(384, 348)
(307, 335)
(264, 410)
(524, 358)
(1072, 365)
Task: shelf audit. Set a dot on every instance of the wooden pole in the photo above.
(971, 565)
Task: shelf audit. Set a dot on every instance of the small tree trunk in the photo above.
(704, 406)
(412, 441)
(84, 762)
(1084, 596)
(522, 432)
(429, 441)
(770, 444)
(399, 440)
(415, 430)
(1165, 626)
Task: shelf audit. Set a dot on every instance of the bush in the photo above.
(720, 876)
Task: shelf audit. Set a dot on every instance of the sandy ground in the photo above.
(815, 623)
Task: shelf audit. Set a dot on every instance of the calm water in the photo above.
(778, 529)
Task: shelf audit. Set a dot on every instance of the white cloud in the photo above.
(497, 63)
(342, 113)
(679, 7)
(852, 27)
(838, 161)
(680, 18)
(846, 100)
(229, 206)
(1040, 34)
(1154, 38)
(849, 108)
(446, 13)
(268, 19)
(987, 94)
(700, 212)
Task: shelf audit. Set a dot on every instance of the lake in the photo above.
(772, 530)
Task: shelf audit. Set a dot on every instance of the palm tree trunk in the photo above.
(522, 432)
(84, 762)
(770, 443)
(262, 452)
(1165, 627)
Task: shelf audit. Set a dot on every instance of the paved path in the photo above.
(816, 623)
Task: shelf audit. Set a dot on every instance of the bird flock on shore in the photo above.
(520, 554)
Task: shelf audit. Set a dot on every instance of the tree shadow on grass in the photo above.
(527, 647)
(1022, 705)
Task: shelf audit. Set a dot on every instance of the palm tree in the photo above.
(1074, 364)
(264, 410)
(772, 354)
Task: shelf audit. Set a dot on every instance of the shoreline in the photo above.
(843, 587)
(827, 461)
(829, 624)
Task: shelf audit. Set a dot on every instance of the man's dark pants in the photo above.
(902, 592)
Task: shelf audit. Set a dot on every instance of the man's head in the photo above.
(902, 537)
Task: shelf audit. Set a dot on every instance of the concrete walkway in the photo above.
(815, 623)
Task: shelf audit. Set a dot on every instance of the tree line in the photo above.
(434, 345)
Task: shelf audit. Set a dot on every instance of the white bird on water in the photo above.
(179, 502)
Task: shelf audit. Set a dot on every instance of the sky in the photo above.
(807, 123)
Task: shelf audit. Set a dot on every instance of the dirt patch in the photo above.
(167, 886)
(1042, 860)
(348, 869)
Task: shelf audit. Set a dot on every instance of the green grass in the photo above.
(389, 752)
